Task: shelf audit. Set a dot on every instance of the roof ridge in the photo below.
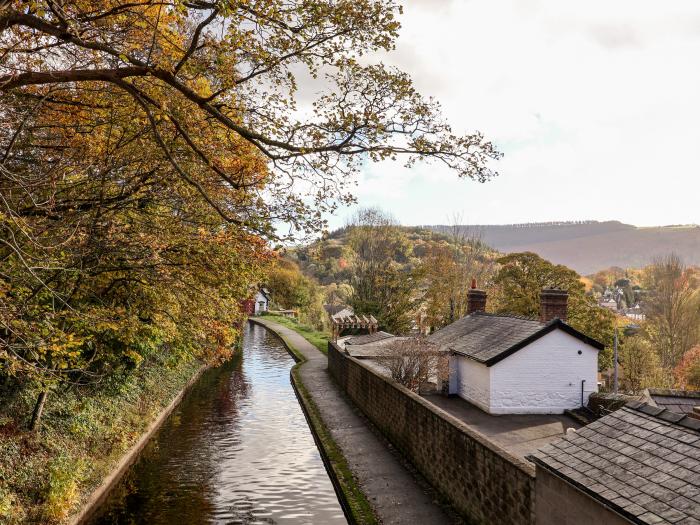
(509, 315)
(665, 415)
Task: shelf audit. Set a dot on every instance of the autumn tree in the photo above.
(640, 364)
(413, 362)
(201, 67)
(338, 293)
(447, 271)
(381, 286)
(516, 289)
(687, 371)
(672, 308)
(291, 289)
(148, 150)
(107, 252)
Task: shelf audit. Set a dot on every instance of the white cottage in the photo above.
(262, 301)
(506, 364)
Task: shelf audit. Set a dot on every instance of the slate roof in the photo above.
(489, 338)
(679, 401)
(641, 461)
(368, 338)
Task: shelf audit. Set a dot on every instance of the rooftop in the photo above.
(519, 434)
(679, 401)
(489, 338)
(642, 461)
(368, 338)
(334, 309)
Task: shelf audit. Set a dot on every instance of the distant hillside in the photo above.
(330, 260)
(589, 246)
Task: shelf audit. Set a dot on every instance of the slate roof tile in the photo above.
(368, 338)
(643, 462)
(651, 518)
(688, 521)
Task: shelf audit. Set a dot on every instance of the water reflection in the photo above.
(237, 450)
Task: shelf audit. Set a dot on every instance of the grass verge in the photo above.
(316, 338)
(357, 504)
(46, 476)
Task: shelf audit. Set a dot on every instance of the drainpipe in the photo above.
(583, 381)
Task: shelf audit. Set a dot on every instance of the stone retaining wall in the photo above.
(482, 481)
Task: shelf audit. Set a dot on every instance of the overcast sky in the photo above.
(595, 105)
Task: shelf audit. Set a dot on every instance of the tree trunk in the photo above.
(38, 409)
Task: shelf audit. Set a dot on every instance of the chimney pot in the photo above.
(553, 304)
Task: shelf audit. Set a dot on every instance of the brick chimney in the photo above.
(553, 303)
(476, 299)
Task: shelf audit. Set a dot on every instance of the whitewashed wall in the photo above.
(544, 377)
(260, 298)
(470, 381)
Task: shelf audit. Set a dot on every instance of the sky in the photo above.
(595, 105)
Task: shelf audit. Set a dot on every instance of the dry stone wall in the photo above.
(483, 482)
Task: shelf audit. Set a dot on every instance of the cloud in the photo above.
(595, 106)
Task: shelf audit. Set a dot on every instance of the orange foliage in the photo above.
(687, 372)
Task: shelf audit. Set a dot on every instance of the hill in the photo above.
(589, 246)
(330, 259)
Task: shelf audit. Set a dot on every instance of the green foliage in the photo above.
(672, 308)
(640, 364)
(522, 276)
(338, 293)
(316, 338)
(447, 271)
(85, 431)
(383, 286)
(516, 289)
(693, 377)
(331, 260)
(62, 488)
(292, 290)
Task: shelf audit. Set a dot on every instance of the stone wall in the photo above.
(483, 482)
(560, 503)
(603, 403)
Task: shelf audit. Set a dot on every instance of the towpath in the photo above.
(396, 495)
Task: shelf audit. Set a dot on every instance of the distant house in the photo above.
(258, 303)
(506, 364)
(640, 464)
(262, 301)
(610, 304)
(635, 312)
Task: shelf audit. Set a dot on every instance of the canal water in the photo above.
(236, 450)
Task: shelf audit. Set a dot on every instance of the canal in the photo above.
(237, 450)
